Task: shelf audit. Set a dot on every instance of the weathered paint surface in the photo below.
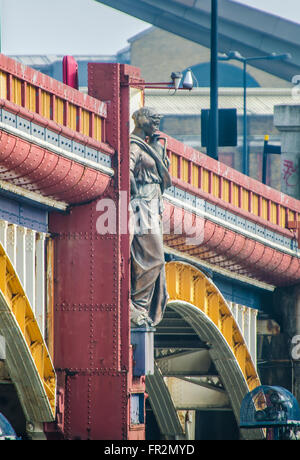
(92, 352)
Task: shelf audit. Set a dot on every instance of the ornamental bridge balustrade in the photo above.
(245, 223)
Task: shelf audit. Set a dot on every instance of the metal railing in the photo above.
(221, 185)
(66, 109)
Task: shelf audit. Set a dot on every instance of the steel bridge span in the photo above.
(67, 369)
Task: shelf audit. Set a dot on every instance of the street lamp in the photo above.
(235, 55)
(176, 77)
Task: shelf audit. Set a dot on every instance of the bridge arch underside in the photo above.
(27, 375)
(201, 360)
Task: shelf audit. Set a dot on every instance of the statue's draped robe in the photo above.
(148, 282)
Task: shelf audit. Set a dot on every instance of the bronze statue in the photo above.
(149, 177)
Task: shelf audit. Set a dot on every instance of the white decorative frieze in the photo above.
(26, 250)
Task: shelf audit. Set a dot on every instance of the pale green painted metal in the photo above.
(162, 406)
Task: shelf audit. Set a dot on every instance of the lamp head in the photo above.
(223, 57)
(176, 79)
(188, 80)
(283, 57)
(235, 55)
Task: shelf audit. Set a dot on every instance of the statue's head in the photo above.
(147, 119)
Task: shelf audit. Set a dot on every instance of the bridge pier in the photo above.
(287, 300)
(287, 121)
(287, 307)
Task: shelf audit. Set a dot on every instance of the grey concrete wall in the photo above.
(287, 121)
(286, 307)
(158, 53)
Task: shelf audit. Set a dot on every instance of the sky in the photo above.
(64, 27)
(85, 26)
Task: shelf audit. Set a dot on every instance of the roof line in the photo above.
(249, 30)
(223, 91)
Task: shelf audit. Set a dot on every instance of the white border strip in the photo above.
(230, 226)
(57, 150)
(33, 196)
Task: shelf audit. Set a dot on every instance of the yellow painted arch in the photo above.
(188, 284)
(28, 358)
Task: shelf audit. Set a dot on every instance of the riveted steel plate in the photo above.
(91, 154)
(211, 208)
(286, 242)
(51, 137)
(170, 191)
(200, 204)
(269, 235)
(23, 124)
(250, 226)
(221, 213)
(180, 194)
(230, 217)
(78, 149)
(9, 118)
(260, 230)
(191, 199)
(37, 131)
(65, 143)
(240, 222)
(104, 159)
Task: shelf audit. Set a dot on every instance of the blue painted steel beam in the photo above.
(22, 211)
(242, 293)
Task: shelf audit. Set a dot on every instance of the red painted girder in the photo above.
(294, 204)
(37, 169)
(70, 175)
(13, 153)
(25, 158)
(84, 184)
(259, 261)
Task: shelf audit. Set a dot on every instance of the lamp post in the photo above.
(213, 138)
(235, 55)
